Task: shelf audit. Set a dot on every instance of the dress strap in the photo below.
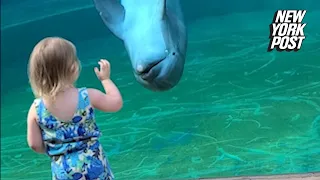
(39, 107)
(84, 100)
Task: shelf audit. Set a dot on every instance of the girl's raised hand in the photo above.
(104, 72)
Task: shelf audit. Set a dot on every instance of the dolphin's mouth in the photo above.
(151, 80)
(148, 69)
(151, 72)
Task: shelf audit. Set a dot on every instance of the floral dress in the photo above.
(73, 146)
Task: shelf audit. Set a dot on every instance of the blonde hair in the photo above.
(53, 66)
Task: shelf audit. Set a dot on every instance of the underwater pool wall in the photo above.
(83, 24)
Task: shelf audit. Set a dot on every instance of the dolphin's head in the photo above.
(156, 40)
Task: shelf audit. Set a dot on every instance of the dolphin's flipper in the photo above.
(175, 6)
(112, 13)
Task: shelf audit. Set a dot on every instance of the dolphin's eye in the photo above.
(173, 53)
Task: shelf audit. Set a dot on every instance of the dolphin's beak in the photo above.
(163, 75)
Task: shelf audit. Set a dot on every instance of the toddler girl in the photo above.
(61, 120)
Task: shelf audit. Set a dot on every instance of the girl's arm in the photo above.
(111, 101)
(34, 137)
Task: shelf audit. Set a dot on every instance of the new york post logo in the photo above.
(287, 30)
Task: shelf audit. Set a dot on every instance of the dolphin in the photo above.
(154, 35)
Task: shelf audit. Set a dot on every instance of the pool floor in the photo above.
(307, 176)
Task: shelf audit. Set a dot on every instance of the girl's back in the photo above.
(65, 105)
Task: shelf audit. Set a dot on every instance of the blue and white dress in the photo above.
(73, 146)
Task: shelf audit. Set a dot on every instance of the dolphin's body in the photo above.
(154, 35)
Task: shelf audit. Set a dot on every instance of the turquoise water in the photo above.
(238, 109)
